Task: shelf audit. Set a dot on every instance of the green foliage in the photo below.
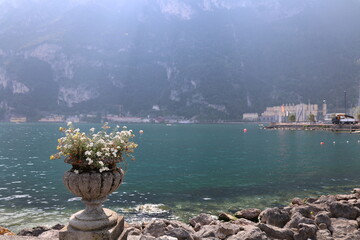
(292, 118)
(312, 117)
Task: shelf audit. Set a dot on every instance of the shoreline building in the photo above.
(302, 113)
(251, 117)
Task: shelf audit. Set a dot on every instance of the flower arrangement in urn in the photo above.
(97, 152)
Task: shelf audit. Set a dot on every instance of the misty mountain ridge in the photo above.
(209, 59)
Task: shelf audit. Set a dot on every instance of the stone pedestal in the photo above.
(110, 233)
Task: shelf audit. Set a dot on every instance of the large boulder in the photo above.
(306, 231)
(308, 211)
(179, 233)
(323, 218)
(155, 228)
(226, 217)
(342, 227)
(326, 199)
(201, 220)
(297, 201)
(296, 219)
(346, 196)
(227, 229)
(249, 213)
(324, 235)
(35, 231)
(51, 234)
(275, 216)
(219, 231)
(207, 231)
(343, 210)
(276, 232)
(249, 233)
(173, 228)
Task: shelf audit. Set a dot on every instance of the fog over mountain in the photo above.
(208, 59)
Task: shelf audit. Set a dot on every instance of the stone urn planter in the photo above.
(94, 175)
(94, 221)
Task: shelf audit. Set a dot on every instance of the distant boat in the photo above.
(168, 124)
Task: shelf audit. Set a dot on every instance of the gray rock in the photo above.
(249, 213)
(326, 199)
(342, 227)
(323, 218)
(167, 238)
(308, 211)
(296, 219)
(227, 229)
(207, 231)
(297, 201)
(202, 219)
(226, 217)
(323, 235)
(178, 224)
(276, 232)
(51, 234)
(274, 216)
(179, 233)
(306, 231)
(35, 231)
(343, 210)
(155, 228)
(356, 190)
(243, 222)
(58, 227)
(346, 196)
(352, 236)
(147, 237)
(249, 233)
(310, 200)
(129, 231)
(322, 226)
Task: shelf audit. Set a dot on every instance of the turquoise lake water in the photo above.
(183, 169)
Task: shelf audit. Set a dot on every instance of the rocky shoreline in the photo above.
(329, 217)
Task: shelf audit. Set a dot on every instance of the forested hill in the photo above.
(209, 59)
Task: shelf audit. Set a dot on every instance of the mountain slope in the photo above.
(210, 59)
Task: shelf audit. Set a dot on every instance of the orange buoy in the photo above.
(322, 143)
(245, 130)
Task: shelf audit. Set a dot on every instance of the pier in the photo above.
(338, 128)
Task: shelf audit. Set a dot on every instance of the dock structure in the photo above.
(338, 128)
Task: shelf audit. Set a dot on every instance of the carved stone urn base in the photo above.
(109, 233)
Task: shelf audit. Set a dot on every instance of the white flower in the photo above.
(107, 154)
(104, 169)
(77, 130)
(92, 129)
(98, 154)
(117, 126)
(76, 171)
(69, 123)
(88, 153)
(124, 127)
(89, 160)
(101, 163)
(105, 149)
(114, 153)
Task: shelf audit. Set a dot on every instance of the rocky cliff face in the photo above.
(211, 59)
